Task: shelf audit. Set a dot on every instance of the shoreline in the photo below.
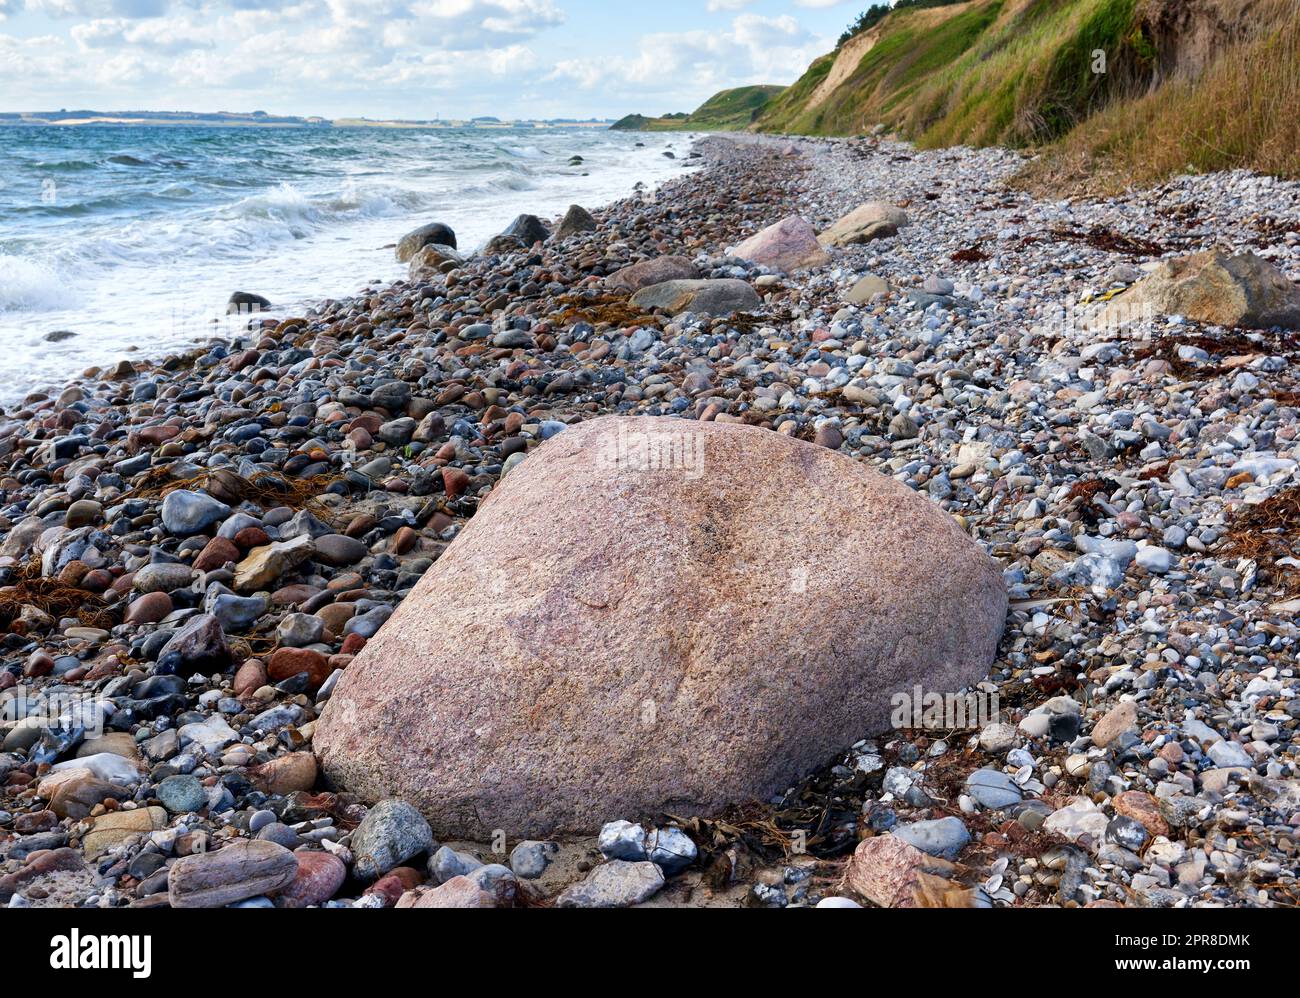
(1144, 674)
(301, 243)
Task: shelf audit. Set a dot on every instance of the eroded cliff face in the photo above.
(1187, 35)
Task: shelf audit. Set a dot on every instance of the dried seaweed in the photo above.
(1266, 533)
(29, 587)
(1083, 497)
(970, 254)
(1110, 241)
(1228, 343)
(265, 488)
(1272, 230)
(615, 310)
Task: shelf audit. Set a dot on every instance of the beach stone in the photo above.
(77, 797)
(873, 220)
(216, 554)
(201, 645)
(622, 840)
(576, 221)
(251, 676)
(149, 608)
(120, 743)
(1212, 287)
(1156, 560)
(319, 877)
(235, 613)
(716, 297)
(290, 773)
(459, 892)
(182, 793)
(211, 735)
(289, 662)
(1079, 818)
(530, 858)
(391, 833)
(656, 270)
(435, 233)
(672, 849)
(83, 513)
(788, 245)
(943, 837)
(237, 871)
(993, 789)
(838, 586)
(338, 551)
(616, 884)
(281, 834)
(245, 302)
(108, 766)
(162, 578)
(186, 513)
(528, 229)
(109, 830)
(447, 863)
(1119, 719)
(866, 289)
(297, 630)
(430, 259)
(893, 873)
(264, 565)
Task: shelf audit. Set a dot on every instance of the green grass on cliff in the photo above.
(1023, 73)
(984, 72)
(728, 111)
(732, 110)
(1240, 114)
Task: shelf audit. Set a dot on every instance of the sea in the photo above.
(125, 241)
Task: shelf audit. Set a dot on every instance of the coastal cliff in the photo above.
(1111, 91)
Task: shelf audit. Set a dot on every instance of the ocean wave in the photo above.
(63, 166)
(30, 286)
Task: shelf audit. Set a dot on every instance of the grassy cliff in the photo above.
(728, 111)
(1138, 87)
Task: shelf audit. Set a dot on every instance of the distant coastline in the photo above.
(260, 119)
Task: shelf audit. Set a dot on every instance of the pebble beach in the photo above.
(194, 550)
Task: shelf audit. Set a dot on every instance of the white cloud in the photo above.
(464, 25)
(682, 66)
(381, 58)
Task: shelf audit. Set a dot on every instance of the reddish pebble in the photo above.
(250, 677)
(455, 481)
(149, 608)
(216, 554)
(320, 875)
(353, 644)
(288, 662)
(38, 664)
(404, 539)
(251, 537)
(97, 581)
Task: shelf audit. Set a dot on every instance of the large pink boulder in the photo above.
(658, 614)
(790, 244)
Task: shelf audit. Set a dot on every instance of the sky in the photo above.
(404, 58)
